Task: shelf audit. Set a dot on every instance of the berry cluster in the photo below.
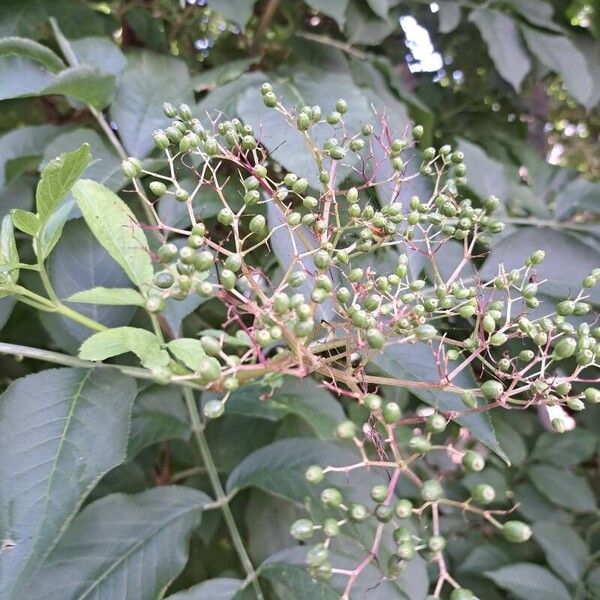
(351, 291)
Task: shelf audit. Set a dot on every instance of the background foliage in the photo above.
(514, 84)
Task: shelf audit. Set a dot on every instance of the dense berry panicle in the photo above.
(348, 291)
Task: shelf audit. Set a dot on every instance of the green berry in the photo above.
(435, 423)
(431, 490)
(516, 531)
(404, 509)
(391, 413)
(384, 513)
(331, 498)
(492, 390)
(317, 555)
(375, 338)
(483, 494)
(314, 474)
(346, 430)
(357, 513)
(473, 461)
(213, 409)
(302, 529)
(565, 348)
(461, 594)
(379, 493)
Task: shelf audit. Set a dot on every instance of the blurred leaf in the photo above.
(449, 15)
(147, 82)
(485, 175)
(304, 398)
(158, 415)
(27, 17)
(25, 141)
(363, 26)
(237, 11)
(77, 263)
(16, 46)
(529, 582)
(110, 296)
(567, 449)
(510, 440)
(415, 362)
(112, 342)
(221, 74)
(294, 582)
(60, 431)
(482, 558)
(101, 53)
(532, 505)
(6, 306)
(118, 543)
(116, 228)
(278, 468)
(537, 12)
(223, 588)
(561, 55)
(23, 77)
(335, 10)
(565, 551)
(578, 195)
(504, 44)
(560, 248)
(563, 487)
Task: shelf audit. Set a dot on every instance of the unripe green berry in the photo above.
(213, 409)
(331, 498)
(473, 461)
(346, 430)
(431, 490)
(302, 529)
(314, 474)
(483, 494)
(516, 531)
(404, 509)
(492, 390)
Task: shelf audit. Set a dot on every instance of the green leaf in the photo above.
(365, 27)
(112, 342)
(565, 450)
(563, 487)
(18, 46)
(222, 588)
(110, 296)
(25, 221)
(304, 398)
(148, 81)
(119, 543)
(60, 431)
(221, 74)
(529, 582)
(415, 362)
(486, 176)
(24, 141)
(293, 581)
(504, 44)
(561, 249)
(7, 304)
(578, 195)
(561, 55)
(279, 469)
(565, 551)
(58, 178)
(79, 263)
(237, 11)
(537, 12)
(449, 15)
(84, 83)
(8, 251)
(116, 228)
(188, 350)
(158, 415)
(106, 165)
(335, 10)
(23, 77)
(482, 558)
(99, 52)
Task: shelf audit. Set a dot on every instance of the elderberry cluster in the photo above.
(347, 289)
